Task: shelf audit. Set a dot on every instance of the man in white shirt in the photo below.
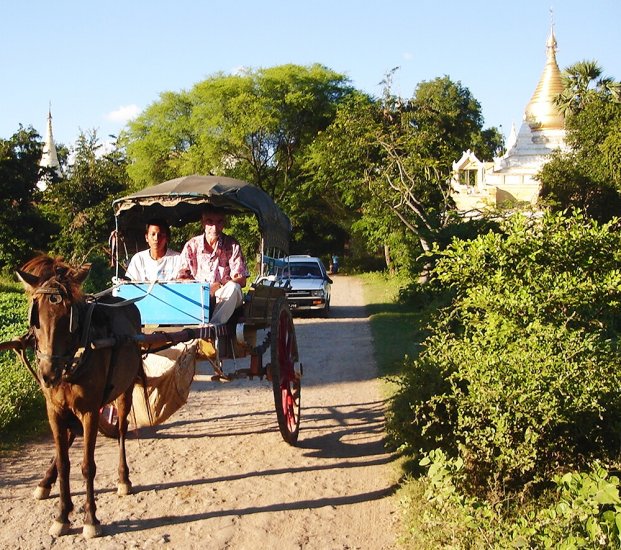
(158, 262)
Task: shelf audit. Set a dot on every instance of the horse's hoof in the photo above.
(59, 529)
(91, 531)
(124, 489)
(41, 493)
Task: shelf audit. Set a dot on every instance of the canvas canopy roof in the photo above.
(179, 201)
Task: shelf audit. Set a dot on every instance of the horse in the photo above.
(77, 376)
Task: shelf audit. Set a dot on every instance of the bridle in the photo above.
(72, 362)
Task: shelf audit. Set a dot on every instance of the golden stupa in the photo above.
(541, 113)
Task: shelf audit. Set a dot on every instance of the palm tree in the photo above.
(581, 81)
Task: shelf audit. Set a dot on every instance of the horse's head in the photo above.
(55, 297)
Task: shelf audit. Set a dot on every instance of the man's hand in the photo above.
(239, 279)
(213, 287)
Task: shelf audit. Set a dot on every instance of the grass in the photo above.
(22, 407)
(397, 327)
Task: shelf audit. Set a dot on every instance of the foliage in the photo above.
(586, 513)
(519, 376)
(19, 393)
(24, 229)
(589, 175)
(255, 126)
(582, 511)
(395, 325)
(245, 229)
(158, 139)
(80, 204)
(388, 160)
(584, 82)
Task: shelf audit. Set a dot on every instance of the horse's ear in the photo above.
(29, 280)
(82, 273)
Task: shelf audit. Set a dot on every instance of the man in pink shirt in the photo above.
(216, 258)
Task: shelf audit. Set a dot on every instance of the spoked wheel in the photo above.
(285, 381)
(109, 421)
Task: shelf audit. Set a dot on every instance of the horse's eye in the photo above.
(55, 299)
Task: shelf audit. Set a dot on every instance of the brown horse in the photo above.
(77, 376)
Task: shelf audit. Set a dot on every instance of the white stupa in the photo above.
(511, 177)
(49, 158)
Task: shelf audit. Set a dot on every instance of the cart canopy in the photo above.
(179, 201)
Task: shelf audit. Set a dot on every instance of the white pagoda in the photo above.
(49, 158)
(508, 179)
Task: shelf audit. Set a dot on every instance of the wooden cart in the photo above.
(174, 312)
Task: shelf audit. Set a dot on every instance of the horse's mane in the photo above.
(45, 267)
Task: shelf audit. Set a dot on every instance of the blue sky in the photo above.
(99, 62)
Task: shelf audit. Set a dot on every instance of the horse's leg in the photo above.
(45, 485)
(60, 431)
(92, 527)
(124, 405)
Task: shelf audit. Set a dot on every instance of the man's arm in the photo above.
(185, 263)
(237, 264)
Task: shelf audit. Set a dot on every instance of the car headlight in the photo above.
(317, 293)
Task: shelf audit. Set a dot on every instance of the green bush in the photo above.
(520, 377)
(19, 393)
(580, 510)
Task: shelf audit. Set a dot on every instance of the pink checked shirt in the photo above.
(218, 266)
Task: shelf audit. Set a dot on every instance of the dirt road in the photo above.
(218, 474)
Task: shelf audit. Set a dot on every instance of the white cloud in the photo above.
(408, 56)
(123, 114)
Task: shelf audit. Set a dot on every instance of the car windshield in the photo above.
(305, 270)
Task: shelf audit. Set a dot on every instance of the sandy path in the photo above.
(218, 474)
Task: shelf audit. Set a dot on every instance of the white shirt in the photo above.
(144, 268)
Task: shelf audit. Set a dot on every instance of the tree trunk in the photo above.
(424, 275)
(389, 263)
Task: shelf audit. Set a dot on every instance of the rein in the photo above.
(74, 362)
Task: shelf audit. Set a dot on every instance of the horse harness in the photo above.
(72, 363)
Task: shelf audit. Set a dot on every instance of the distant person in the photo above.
(334, 264)
(158, 262)
(216, 258)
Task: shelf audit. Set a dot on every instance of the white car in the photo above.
(308, 284)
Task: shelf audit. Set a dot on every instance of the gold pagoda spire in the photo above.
(541, 113)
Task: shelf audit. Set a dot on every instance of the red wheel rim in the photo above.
(288, 379)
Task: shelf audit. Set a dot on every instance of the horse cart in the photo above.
(92, 349)
(176, 312)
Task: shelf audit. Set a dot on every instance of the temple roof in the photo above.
(541, 112)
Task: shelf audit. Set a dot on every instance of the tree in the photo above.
(389, 160)
(158, 139)
(81, 204)
(582, 82)
(254, 126)
(24, 229)
(589, 175)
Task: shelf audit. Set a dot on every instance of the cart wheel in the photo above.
(108, 421)
(286, 383)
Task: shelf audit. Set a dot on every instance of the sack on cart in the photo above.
(169, 375)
